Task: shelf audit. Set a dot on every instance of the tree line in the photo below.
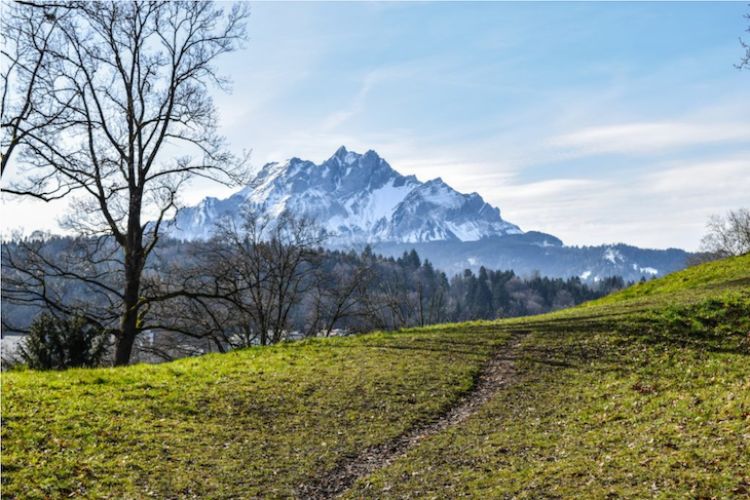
(258, 282)
(261, 281)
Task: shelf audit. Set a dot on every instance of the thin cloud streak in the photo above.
(642, 138)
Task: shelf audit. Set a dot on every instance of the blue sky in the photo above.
(596, 122)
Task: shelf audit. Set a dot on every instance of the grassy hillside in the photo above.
(644, 405)
(687, 285)
(643, 393)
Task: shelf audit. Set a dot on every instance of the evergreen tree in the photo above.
(59, 343)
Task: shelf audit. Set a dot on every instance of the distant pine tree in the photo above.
(59, 343)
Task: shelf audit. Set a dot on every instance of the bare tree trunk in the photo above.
(129, 327)
(126, 339)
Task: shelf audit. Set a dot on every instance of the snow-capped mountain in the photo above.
(356, 198)
(359, 198)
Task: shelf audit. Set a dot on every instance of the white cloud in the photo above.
(649, 137)
(667, 204)
(730, 176)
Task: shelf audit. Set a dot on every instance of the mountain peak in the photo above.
(358, 198)
(343, 156)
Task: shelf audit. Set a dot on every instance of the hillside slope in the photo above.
(644, 393)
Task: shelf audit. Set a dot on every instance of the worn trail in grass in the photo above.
(499, 372)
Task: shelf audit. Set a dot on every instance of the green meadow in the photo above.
(644, 393)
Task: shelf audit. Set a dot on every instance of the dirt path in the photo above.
(498, 372)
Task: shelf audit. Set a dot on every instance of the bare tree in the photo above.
(195, 300)
(340, 294)
(139, 124)
(728, 235)
(393, 302)
(242, 286)
(28, 32)
(273, 258)
(745, 59)
(430, 294)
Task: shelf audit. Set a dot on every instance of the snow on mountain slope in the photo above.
(357, 198)
(435, 211)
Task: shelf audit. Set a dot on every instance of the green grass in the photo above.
(253, 422)
(612, 400)
(692, 283)
(645, 393)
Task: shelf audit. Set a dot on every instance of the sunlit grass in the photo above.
(251, 422)
(611, 400)
(644, 393)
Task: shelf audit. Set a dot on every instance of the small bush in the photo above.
(58, 343)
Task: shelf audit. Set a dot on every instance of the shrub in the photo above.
(58, 343)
